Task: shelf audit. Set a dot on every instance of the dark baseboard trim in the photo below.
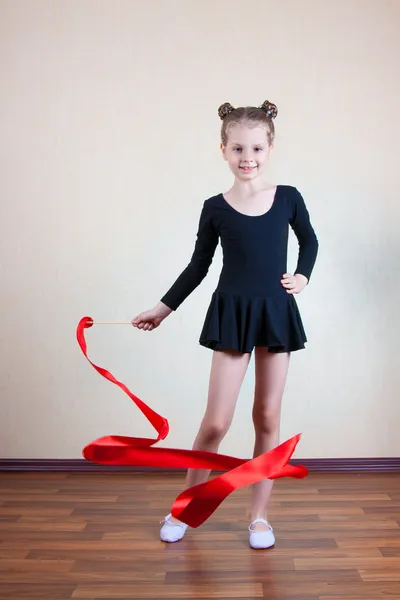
(79, 464)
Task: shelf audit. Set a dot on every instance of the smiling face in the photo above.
(247, 150)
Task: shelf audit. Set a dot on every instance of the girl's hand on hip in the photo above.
(294, 284)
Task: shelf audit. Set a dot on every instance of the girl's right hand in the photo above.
(151, 319)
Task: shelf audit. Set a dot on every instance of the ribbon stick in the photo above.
(194, 505)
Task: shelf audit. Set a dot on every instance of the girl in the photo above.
(253, 306)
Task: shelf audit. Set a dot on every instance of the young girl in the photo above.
(253, 306)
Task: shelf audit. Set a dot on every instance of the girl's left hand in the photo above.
(294, 284)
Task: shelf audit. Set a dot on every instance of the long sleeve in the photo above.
(197, 269)
(308, 243)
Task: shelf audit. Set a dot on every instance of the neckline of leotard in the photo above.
(251, 216)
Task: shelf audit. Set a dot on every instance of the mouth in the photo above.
(247, 169)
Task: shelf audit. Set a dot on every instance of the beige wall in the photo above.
(109, 145)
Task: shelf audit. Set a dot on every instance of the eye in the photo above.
(237, 149)
(258, 149)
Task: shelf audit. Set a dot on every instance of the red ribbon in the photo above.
(194, 505)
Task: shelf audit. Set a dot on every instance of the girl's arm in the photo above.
(197, 269)
(308, 243)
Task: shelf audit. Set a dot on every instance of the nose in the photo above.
(246, 156)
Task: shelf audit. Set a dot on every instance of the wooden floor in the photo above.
(95, 535)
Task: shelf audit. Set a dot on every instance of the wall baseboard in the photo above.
(313, 464)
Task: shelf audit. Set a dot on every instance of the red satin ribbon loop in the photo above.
(194, 505)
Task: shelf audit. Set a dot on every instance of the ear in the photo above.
(222, 147)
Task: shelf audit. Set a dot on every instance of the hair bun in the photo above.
(270, 109)
(224, 110)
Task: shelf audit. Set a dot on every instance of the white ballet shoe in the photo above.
(261, 539)
(170, 531)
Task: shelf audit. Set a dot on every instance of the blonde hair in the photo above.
(248, 115)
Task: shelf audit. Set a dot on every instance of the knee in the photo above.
(266, 421)
(214, 432)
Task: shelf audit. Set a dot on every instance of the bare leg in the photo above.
(228, 369)
(271, 373)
